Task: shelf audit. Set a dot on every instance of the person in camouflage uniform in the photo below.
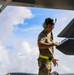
(45, 45)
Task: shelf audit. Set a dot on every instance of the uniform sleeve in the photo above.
(41, 38)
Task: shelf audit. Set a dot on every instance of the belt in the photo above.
(44, 57)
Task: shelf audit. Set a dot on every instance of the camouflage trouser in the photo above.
(44, 66)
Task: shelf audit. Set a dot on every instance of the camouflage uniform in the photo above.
(45, 65)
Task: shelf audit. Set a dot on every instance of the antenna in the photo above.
(55, 20)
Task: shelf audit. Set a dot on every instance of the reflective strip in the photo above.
(44, 57)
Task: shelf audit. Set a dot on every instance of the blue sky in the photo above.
(19, 29)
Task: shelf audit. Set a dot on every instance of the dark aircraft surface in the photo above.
(67, 45)
(68, 31)
(30, 74)
(20, 74)
(54, 4)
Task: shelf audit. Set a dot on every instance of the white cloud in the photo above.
(32, 29)
(26, 46)
(8, 18)
(23, 58)
(4, 61)
(14, 16)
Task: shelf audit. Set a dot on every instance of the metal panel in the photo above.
(68, 31)
(20, 74)
(25, 1)
(55, 4)
(67, 46)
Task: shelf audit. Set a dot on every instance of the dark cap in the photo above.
(49, 21)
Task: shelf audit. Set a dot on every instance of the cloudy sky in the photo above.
(19, 28)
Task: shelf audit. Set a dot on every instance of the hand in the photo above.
(56, 43)
(54, 61)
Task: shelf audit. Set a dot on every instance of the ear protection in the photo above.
(45, 25)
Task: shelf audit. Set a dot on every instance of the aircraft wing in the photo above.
(68, 31)
(67, 45)
(55, 4)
